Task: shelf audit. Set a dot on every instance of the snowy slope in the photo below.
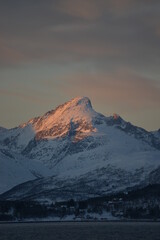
(95, 183)
(15, 169)
(74, 142)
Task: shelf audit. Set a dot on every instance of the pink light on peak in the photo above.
(115, 116)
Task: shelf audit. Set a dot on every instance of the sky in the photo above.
(54, 50)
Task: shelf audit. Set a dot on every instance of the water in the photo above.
(80, 231)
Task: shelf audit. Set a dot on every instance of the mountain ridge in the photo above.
(75, 142)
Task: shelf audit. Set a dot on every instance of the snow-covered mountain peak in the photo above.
(76, 109)
(79, 107)
(75, 115)
(79, 101)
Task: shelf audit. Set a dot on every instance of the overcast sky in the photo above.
(54, 50)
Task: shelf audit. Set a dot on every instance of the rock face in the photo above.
(77, 150)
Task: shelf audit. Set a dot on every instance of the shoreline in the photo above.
(83, 221)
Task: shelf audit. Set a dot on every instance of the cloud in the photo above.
(87, 10)
(118, 8)
(71, 27)
(93, 9)
(29, 97)
(158, 31)
(52, 33)
(121, 89)
(9, 55)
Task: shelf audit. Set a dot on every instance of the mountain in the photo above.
(75, 152)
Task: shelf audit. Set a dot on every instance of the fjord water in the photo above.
(79, 231)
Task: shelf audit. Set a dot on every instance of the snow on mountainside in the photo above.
(74, 142)
(15, 169)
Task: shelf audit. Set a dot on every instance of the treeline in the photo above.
(12, 210)
(136, 204)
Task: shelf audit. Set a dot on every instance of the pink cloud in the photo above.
(28, 97)
(118, 6)
(9, 54)
(121, 89)
(92, 9)
(87, 10)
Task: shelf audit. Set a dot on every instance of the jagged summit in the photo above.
(76, 108)
(76, 113)
(83, 101)
(75, 104)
